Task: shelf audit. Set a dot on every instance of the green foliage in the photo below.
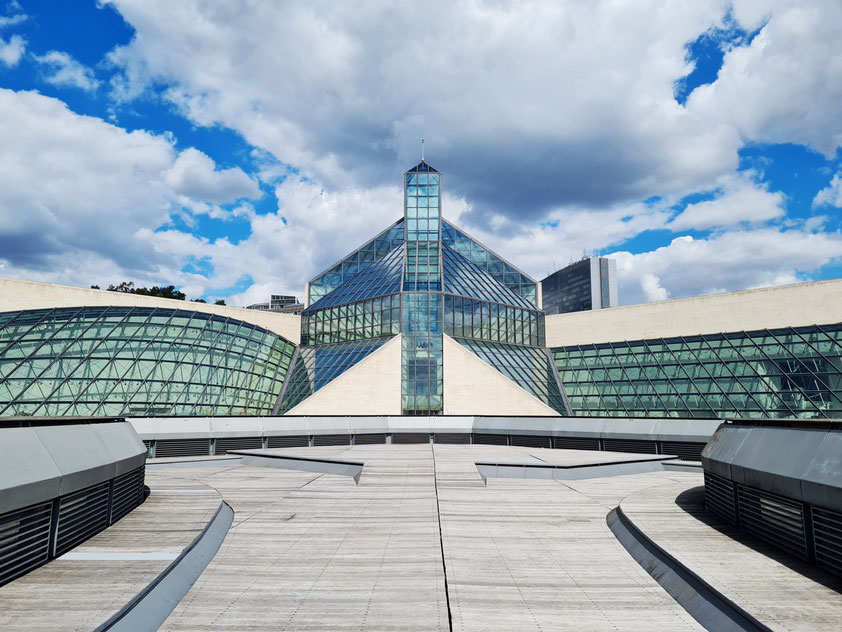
(168, 291)
(219, 301)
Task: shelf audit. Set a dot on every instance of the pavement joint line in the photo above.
(127, 556)
(441, 541)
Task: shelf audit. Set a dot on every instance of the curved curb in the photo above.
(151, 606)
(704, 603)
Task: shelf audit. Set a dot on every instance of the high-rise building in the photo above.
(280, 303)
(587, 284)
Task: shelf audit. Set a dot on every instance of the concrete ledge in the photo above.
(572, 472)
(326, 466)
(704, 603)
(43, 462)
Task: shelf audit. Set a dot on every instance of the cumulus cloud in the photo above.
(787, 85)
(738, 198)
(60, 69)
(525, 106)
(728, 261)
(831, 195)
(79, 195)
(194, 175)
(12, 50)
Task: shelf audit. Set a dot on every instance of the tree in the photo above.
(199, 300)
(219, 301)
(168, 291)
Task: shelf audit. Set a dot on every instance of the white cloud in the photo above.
(831, 195)
(60, 69)
(194, 175)
(724, 262)
(528, 105)
(787, 85)
(738, 198)
(12, 50)
(12, 20)
(80, 199)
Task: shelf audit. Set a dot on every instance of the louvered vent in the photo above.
(24, 540)
(238, 443)
(291, 441)
(490, 439)
(81, 515)
(370, 439)
(332, 439)
(719, 497)
(182, 447)
(127, 493)
(684, 450)
(411, 437)
(630, 445)
(576, 443)
(148, 444)
(827, 538)
(773, 518)
(531, 441)
(452, 438)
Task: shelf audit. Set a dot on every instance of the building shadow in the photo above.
(692, 502)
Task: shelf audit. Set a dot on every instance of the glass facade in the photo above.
(317, 366)
(792, 372)
(529, 367)
(137, 361)
(361, 258)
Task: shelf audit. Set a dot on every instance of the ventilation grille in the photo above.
(238, 443)
(490, 439)
(719, 497)
(292, 441)
(148, 444)
(576, 443)
(370, 439)
(411, 437)
(81, 515)
(531, 441)
(684, 450)
(332, 439)
(777, 520)
(630, 445)
(182, 447)
(24, 540)
(827, 538)
(453, 438)
(127, 493)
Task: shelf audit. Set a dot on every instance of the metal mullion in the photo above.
(43, 342)
(287, 380)
(28, 357)
(579, 385)
(177, 362)
(128, 340)
(734, 375)
(198, 365)
(614, 386)
(666, 376)
(783, 373)
(713, 380)
(253, 393)
(26, 333)
(231, 372)
(687, 374)
(629, 380)
(565, 402)
(88, 355)
(825, 358)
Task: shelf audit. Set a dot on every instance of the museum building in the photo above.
(421, 320)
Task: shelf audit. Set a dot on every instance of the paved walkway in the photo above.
(776, 589)
(85, 587)
(421, 543)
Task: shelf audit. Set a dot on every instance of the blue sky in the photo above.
(237, 153)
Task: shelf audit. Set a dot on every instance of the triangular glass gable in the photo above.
(316, 367)
(423, 167)
(379, 278)
(372, 250)
(528, 367)
(466, 279)
(489, 262)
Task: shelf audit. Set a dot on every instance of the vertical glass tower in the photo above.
(421, 312)
(423, 278)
